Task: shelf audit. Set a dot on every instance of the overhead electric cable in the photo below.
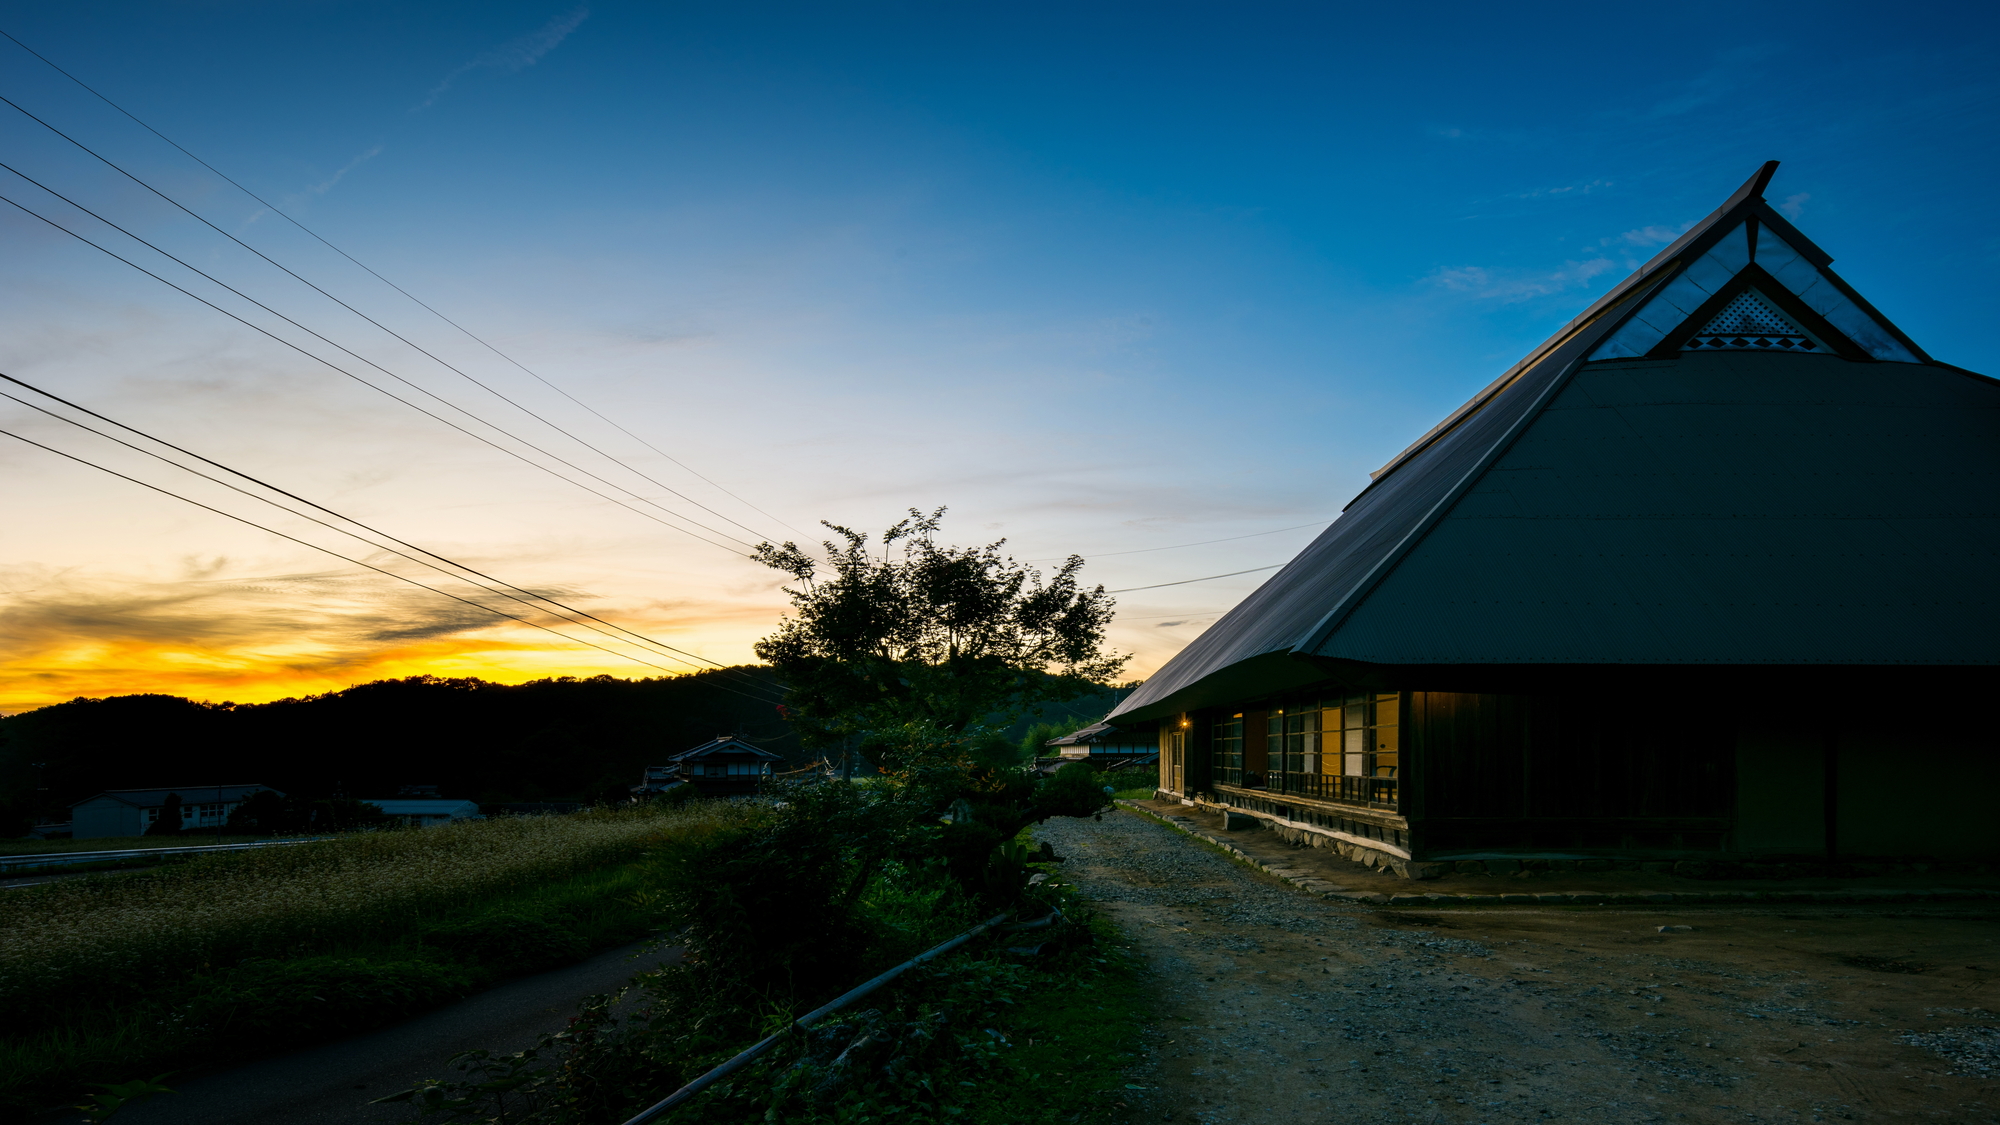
(336, 367)
(629, 638)
(356, 562)
(274, 209)
(1185, 581)
(324, 550)
(1178, 546)
(334, 344)
(114, 166)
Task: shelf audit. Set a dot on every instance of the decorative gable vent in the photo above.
(1750, 321)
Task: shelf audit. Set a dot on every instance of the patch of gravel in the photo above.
(1279, 1005)
(1132, 866)
(1974, 1052)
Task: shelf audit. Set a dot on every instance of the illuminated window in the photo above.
(1366, 728)
(1294, 734)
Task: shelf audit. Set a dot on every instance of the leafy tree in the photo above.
(918, 644)
(345, 814)
(268, 813)
(169, 823)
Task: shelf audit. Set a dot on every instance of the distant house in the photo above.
(1103, 746)
(428, 812)
(1101, 740)
(657, 780)
(724, 766)
(130, 812)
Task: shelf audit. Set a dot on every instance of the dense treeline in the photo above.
(550, 740)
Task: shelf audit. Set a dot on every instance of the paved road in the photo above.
(332, 1084)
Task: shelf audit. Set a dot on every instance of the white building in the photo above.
(130, 812)
(427, 812)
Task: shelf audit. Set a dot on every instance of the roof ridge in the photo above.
(1748, 195)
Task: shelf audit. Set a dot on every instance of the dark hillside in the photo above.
(561, 739)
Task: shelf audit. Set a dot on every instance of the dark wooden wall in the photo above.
(1588, 770)
(1256, 742)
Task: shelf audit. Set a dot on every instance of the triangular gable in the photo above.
(1750, 322)
(1758, 250)
(1799, 279)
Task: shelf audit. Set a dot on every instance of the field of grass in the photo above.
(116, 976)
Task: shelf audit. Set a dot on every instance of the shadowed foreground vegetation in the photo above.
(791, 903)
(110, 977)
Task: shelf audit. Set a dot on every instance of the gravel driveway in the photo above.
(1275, 1006)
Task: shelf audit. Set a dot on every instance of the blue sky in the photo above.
(1103, 278)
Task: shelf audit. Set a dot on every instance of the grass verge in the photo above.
(227, 957)
(1032, 1028)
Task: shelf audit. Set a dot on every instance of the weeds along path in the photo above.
(1276, 1006)
(332, 1084)
(230, 957)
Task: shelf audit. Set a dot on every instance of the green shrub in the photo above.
(1077, 789)
(282, 1002)
(762, 906)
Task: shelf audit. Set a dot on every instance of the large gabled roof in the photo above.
(1616, 498)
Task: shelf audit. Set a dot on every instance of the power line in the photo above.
(378, 367)
(1185, 581)
(406, 382)
(323, 550)
(633, 636)
(336, 367)
(344, 558)
(274, 209)
(1176, 546)
(107, 162)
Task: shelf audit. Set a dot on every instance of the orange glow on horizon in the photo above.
(260, 675)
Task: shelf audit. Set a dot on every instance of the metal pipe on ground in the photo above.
(62, 859)
(750, 1054)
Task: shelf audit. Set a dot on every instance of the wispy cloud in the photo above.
(513, 56)
(1794, 205)
(1508, 286)
(1651, 236)
(1565, 189)
(326, 185)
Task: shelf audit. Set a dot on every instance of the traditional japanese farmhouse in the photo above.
(1712, 570)
(1103, 741)
(1103, 745)
(723, 766)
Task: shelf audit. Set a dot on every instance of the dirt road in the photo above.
(1277, 1006)
(332, 1084)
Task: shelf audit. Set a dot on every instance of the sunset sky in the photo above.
(1104, 278)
